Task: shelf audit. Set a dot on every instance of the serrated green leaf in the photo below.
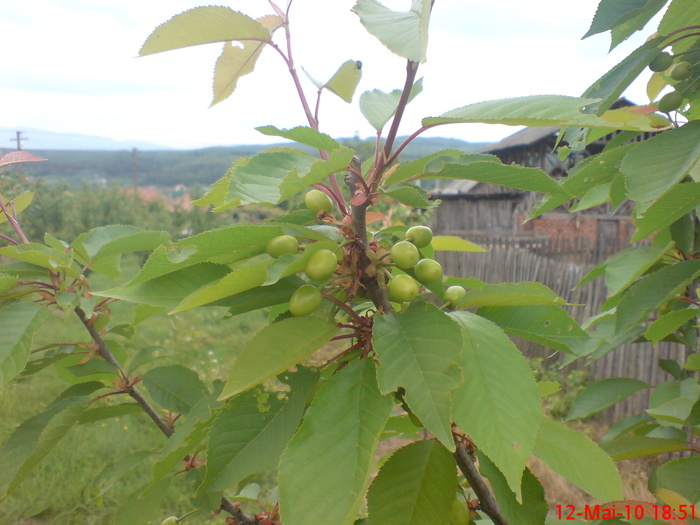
(19, 323)
(416, 484)
(669, 323)
(596, 170)
(640, 18)
(680, 14)
(344, 81)
(626, 425)
(630, 447)
(418, 350)
(35, 438)
(625, 267)
(278, 174)
(693, 363)
(43, 256)
(547, 325)
(410, 195)
(203, 25)
(303, 135)
(237, 281)
(657, 164)
(117, 239)
(475, 167)
(170, 289)
(504, 426)
(175, 387)
(603, 394)
(296, 182)
(413, 169)
(17, 205)
(667, 209)
(107, 412)
(580, 460)
(681, 475)
(276, 348)
(612, 84)
(142, 506)
(7, 282)
(190, 431)
(538, 110)
(379, 107)
(511, 294)
(547, 388)
(341, 428)
(262, 296)
(251, 431)
(593, 197)
(235, 62)
(533, 508)
(404, 33)
(116, 470)
(450, 243)
(654, 289)
(612, 13)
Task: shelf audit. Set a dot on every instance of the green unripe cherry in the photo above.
(681, 71)
(405, 255)
(172, 520)
(321, 265)
(305, 300)
(316, 201)
(282, 244)
(421, 236)
(428, 270)
(661, 62)
(454, 294)
(670, 102)
(403, 288)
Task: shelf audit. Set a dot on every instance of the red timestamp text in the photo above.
(625, 510)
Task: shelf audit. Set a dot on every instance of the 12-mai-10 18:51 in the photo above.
(625, 510)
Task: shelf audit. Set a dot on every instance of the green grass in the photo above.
(61, 489)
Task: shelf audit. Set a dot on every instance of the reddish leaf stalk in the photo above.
(411, 70)
(12, 219)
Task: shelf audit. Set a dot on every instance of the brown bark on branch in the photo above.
(106, 354)
(487, 502)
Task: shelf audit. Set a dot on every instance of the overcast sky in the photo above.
(71, 66)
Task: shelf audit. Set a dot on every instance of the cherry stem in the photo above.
(408, 141)
(686, 300)
(9, 239)
(12, 219)
(344, 306)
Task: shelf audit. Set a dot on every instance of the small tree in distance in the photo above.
(407, 352)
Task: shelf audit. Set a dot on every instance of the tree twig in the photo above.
(229, 506)
(486, 500)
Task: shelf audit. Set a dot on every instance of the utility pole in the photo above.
(18, 140)
(135, 173)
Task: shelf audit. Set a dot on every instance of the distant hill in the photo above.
(188, 167)
(38, 139)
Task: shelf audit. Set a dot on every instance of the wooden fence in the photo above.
(511, 262)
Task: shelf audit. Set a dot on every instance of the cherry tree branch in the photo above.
(229, 506)
(411, 70)
(486, 500)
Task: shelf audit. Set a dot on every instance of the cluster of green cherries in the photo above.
(406, 256)
(677, 70)
(322, 264)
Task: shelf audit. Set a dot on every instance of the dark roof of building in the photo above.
(524, 137)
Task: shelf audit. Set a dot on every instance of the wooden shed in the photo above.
(495, 215)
